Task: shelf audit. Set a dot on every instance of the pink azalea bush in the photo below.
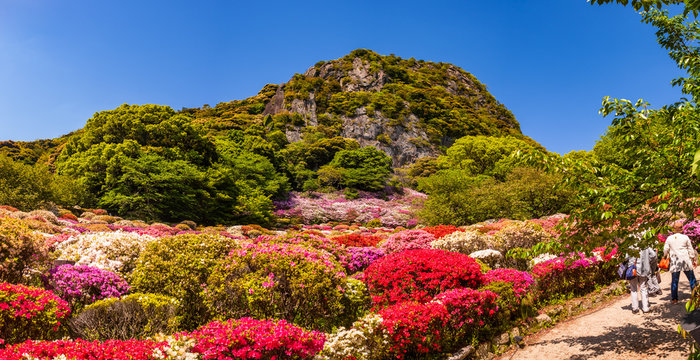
(397, 210)
(575, 274)
(248, 338)
(407, 240)
(471, 312)
(83, 285)
(30, 313)
(359, 258)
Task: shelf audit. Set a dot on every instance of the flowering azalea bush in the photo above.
(470, 311)
(419, 275)
(359, 258)
(178, 266)
(358, 240)
(293, 282)
(519, 234)
(397, 210)
(465, 242)
(115, 251)
(573, 274)
(407, 240)
(414, 329)
(82, 285)
(521, 281)
(305, 239)
(30, 313)
(365, 340)
(83, 350)
(440, 231)
(20, 250)
(248, 338)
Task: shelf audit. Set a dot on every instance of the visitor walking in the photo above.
(638, 284)
(654, 278)
(682, 258)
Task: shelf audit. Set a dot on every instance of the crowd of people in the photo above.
(681, 257)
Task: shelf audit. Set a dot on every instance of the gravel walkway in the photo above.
(614, 332)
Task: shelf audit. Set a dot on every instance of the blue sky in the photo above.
(549, 61)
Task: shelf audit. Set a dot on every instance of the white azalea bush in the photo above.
(115, 251)
(365, 340)
(465, 242)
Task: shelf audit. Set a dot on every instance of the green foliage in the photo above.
(459, 198)
(151, 163)
(363, 169)
(177, 266)
(136, 316)
(485, 155)
(28, 187)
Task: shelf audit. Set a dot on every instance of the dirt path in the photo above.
(614, 332)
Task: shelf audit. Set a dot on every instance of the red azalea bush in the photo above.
(83, 350)
(408, 240)
(418, 275)
(358, 240)
(414, 328)
(471, 312)
(30, 313)
(441, 230)
(248, 338)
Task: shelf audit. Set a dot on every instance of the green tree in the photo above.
(363, 169)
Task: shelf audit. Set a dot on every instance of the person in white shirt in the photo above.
(682, 258)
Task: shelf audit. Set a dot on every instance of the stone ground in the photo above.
(613, 332)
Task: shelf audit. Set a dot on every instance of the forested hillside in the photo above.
(363, 124)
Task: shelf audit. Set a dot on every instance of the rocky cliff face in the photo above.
(408, 109)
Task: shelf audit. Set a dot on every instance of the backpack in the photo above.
(627, 272)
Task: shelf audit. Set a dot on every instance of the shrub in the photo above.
(83, 285)
(30, 313)
(574, 274)
(293, 282)
(20, 250)
(514, 288)
(441, 230)
(465, 242)
(248, 338)
(419, 275)
(471, 313)
(82, 350)
(305, 239)
(414, 329)
(177, 266)
(366, 340)
(115, 251)
(135, 316)
(358, 240)
(407, 240)
(359, 258)
(519, 234)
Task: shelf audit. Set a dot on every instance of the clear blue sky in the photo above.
(549, 61)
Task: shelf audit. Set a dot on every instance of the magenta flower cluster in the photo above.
(359, 258)
(82, 285)
(522, 281)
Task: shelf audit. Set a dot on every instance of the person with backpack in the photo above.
(682, 258)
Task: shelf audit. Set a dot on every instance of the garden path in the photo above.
(614, 332)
